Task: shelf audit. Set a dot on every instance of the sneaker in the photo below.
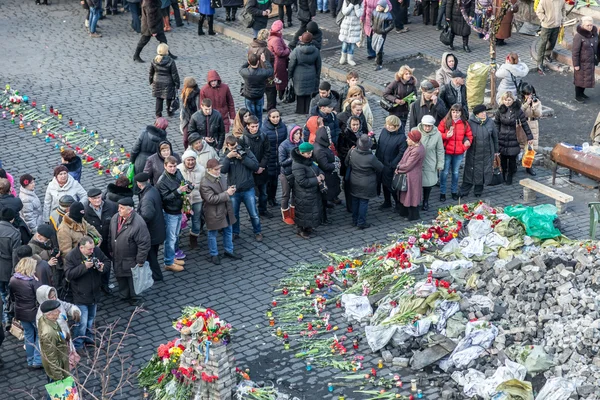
(579, 99)
(365, 226)
(215, 260)
(179, 262)
(174, 268)
(236, 236)
(95, 35)
(35, 366)
(232, 256)
(258, 237)
(378, 68)
(86, 23)
(179, 255)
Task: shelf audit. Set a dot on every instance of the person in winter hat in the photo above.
(62, 184)
(194, 173)
(350, 29)
(412, 166)
(434, 156)
(67, 310)
(73, 228)
(286, 177)
(220, 96)
(382, 23)
(203, 150)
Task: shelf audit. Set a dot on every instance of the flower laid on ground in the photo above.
(205, 323)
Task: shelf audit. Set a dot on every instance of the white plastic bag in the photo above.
(479, 228)
(142, 278)
(439, 265)
(358, 308)
(556, 389)
(479, 336)
(472, 247)
(378, 336)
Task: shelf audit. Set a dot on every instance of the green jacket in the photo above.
(54, 349)
(434, 155)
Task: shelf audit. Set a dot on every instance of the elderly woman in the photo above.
(431, 139)
(412, 166)
(508, 117)
(23, 286)
(357, 93)
(511, 73)
(480, 156)
(164, 79)
(392, 145)
(308, 180)
(449, 64)
(61, 185)
(305, 71)
(364, 168)
(585, 52)
(397, 91)
(281, 52)
(350, 29)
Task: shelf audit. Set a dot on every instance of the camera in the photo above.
(189, 184)
(54, 252)
(95, 262)
(240, 150)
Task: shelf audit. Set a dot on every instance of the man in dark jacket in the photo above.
(325, 92)
(98, 213)
(44, 249)
(325, 111)
(7, 200)
(130, 244)
(209, 124)
(150, 209)
(427, 104)
(255, 83)
(43, 272)
(172, 186)
(258, 143)
(10, 239)
(240, 164)
(84, 268)
(455, 92)
(152, 25)
(218, 210)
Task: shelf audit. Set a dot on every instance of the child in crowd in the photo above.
(382, 22)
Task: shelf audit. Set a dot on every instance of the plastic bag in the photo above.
(538, 220)
(378, 336)
(475, 383)
(439, 265)
(514, 389)
(477, 76)
(528, 157)
(479, 336)
(479, 228)
(472, 247)
(556, 389)
(358, 308)
(444, 311)
(142, 278)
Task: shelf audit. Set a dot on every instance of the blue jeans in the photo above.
(196, 218)
(82, 332)
(359, 211)
(227, 241)
(262, 196)
(348, 48)
(322, 5)
(95, 13)
(255, 107)
(135, 10)
(173, 227)
(370, 51)
(32, 343)
(454, 161)
(4, 295)
(247, 197)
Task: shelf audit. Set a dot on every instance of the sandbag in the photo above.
(477, 75)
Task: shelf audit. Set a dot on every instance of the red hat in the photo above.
(414, 135)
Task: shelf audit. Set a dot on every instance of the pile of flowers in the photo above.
(205, 324)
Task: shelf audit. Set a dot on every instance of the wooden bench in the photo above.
(531, 186)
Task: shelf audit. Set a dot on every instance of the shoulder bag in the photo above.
(247, 18)
(446, 35)
(16, 329)
(339, 18)
(399, 183)
(290, 93)
(386, 104)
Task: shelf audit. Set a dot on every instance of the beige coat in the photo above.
(70, 233)
(551, 13)
(533, 111)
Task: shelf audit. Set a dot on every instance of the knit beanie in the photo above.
(76, 212)
(415, 135)
(305, 147)
(277, 26)
(364, 143)
(60, 169)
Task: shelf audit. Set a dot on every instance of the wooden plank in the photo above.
(546, 190)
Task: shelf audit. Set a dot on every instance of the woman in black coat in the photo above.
(391, 148)
(585, 52)
(348, 138)
(403, 85)
(305, 70)
(330, 165)
(307, 194)
(231, 7)
(164, 79)
(458, 25)
(260, 9)
(147, 143)
(363, 179)
(189, 105)
(276, 132)
(508, 116)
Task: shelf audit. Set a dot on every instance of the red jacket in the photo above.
(221, 98)
(454, 145)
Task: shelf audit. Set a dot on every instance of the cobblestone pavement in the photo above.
(48, 56)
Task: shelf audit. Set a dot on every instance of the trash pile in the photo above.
(473, 297)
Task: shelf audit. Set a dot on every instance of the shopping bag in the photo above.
(142, 278)
(399, 183)
(496, 177)
(290, 93)
(477, 77)
(528, 157)
(446, 35)
(130, 174)
(63, 389)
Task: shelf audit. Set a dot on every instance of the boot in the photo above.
(343, 59)
(303, 233)
(166, 23)
(200, 23)
(466, 44)
(193, 241)
(530, 171)
(179, 262)
(227, 14)
(425, 205)
(351, 60)
(136, 55)
(234, 11)
(286, 215)
(293, 213)
(509, 178)
(211, 31)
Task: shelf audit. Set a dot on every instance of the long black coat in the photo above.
(458, 25)
(480, 155)
(102, 223)
(506, 125)
(307, 196)
(164, 78)
(584, 53)
(146, 145)
(276, 135)
(130, 246)
(85, 283)
(363, 176)
(390, 150)
(10, 239)
(152, 21)
(399, 90)
(305, 69)
(326, 159)
(150, 209)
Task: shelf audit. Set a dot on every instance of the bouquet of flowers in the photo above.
(205, 323)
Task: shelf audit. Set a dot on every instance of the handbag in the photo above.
(322, 185)
(247, 18)
(386, 104)
(290, 94)
(175, 104)
(339, 18)
(399, 183)
(16, 329)
(216, 4)
(142, 278)
(446, 35)
(497, 178)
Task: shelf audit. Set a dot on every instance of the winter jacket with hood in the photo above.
(350, 29)
(307, 197)
(208, 126)
(31, 213)
(255, 80)
(10, 239)
(70, 233)
(311, 27)
(443, 75)
(259, 144)
(390, 150)
(305, 69)
(399, 90)
(449, 95)
(366, 113)
(434, 155)
(331, 121)
(382, 22)
(217, 208)
(480, 156)
(220, 96)
(150, 209)
(533, 112)
(67, 310)
(285, 151)
(186, 112)
(130, 245)
(146, 145)
(75, 166)
(240, 172)
(23, 292)
(363, 176)
(506, 121)
(155, 164)
(164, 78)
(507, 84)
(205, 153)
(85, 283)
(326, 160)
(194, 175)
(54, 192)
(281, 52)
(585, 52)
(276, 134)
(455, 144)
(115, 193)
